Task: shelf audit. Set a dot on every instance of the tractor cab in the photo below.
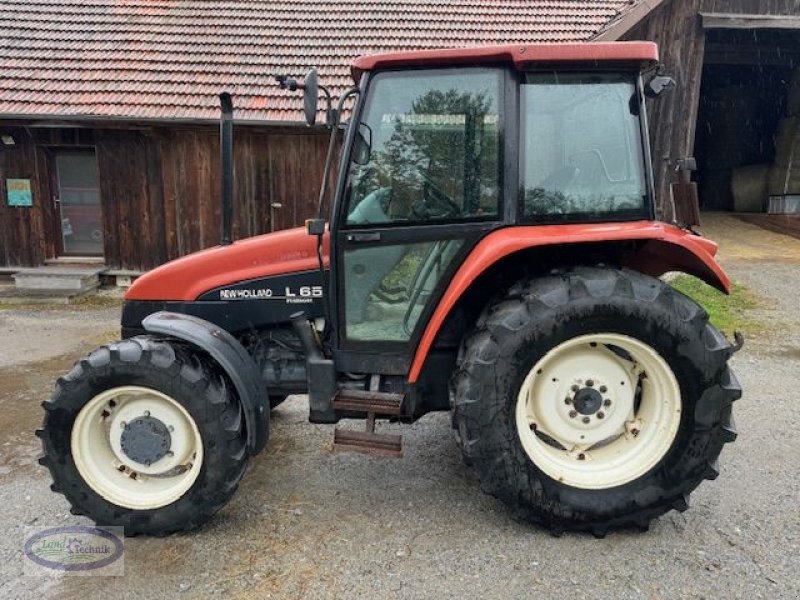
(438, 155)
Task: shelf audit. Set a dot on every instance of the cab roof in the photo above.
(522, 56)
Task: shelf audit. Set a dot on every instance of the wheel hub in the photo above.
(145, 440)
(587, 401)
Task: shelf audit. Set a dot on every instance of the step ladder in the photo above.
(368, 441)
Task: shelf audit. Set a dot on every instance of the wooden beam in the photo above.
(737, 21)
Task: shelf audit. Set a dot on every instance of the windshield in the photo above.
(582, 147)
(427, 148)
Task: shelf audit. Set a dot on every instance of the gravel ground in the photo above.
(306, 523)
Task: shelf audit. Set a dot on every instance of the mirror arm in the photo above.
(331, 115)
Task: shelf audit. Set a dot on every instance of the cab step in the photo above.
(368, 442)
(365, 401)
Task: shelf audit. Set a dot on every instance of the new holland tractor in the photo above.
(491, 249)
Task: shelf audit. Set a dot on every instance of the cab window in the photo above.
(582, 147)
(427, 149)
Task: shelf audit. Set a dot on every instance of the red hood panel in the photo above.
(289, 251)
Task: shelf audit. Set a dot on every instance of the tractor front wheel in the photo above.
(144, 434)
(593, 399)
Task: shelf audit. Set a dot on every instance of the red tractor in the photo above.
(491, 250)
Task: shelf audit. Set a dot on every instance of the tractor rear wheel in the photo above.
(593, 399)
(144, 434)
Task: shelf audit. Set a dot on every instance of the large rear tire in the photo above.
(593, 399)
(144, 434)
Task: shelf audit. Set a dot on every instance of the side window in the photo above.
(582, 147)
(428, 149)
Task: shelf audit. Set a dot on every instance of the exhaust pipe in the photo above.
(226, 155)
(302, 327)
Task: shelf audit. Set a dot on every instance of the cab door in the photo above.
(423, 184)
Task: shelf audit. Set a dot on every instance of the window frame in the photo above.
(647, 212)
(501, 72)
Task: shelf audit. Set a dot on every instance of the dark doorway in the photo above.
(78, 201)
(743, 109)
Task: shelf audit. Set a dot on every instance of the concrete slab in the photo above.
(58, 279)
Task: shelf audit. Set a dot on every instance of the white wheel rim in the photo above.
(96, 444)
(611, 445)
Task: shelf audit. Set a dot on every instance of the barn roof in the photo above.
(168, 59)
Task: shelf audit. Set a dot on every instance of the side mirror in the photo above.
(362, 145)
(658, 85)
(310, 97)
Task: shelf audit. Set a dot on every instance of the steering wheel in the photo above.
(434, 202)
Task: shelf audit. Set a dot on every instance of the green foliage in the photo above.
(727, 313)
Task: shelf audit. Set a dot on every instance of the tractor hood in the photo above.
(187, 278)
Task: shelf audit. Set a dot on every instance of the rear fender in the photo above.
(657, 249)
(231, 356)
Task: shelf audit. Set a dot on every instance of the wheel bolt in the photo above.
(586, 419)
(147, 413)
(171, 428)
(123, 425)
(603, 389)
(606, 402)
(581, 456)
(568, 400)
(589, 382)
(573, 414)
(575, 388)
(601, 415)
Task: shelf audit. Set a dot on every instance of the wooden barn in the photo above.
(736, 108)
(109, 142)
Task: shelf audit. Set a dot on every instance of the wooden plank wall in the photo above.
(160, 189)
(22, 230)
(676, 27)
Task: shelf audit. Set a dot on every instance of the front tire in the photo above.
(144, 434)
(594, 399)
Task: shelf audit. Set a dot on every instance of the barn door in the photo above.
(78, 204)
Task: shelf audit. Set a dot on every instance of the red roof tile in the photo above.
(168, 59)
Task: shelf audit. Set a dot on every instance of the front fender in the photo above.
(661, 248)
(234, 360)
